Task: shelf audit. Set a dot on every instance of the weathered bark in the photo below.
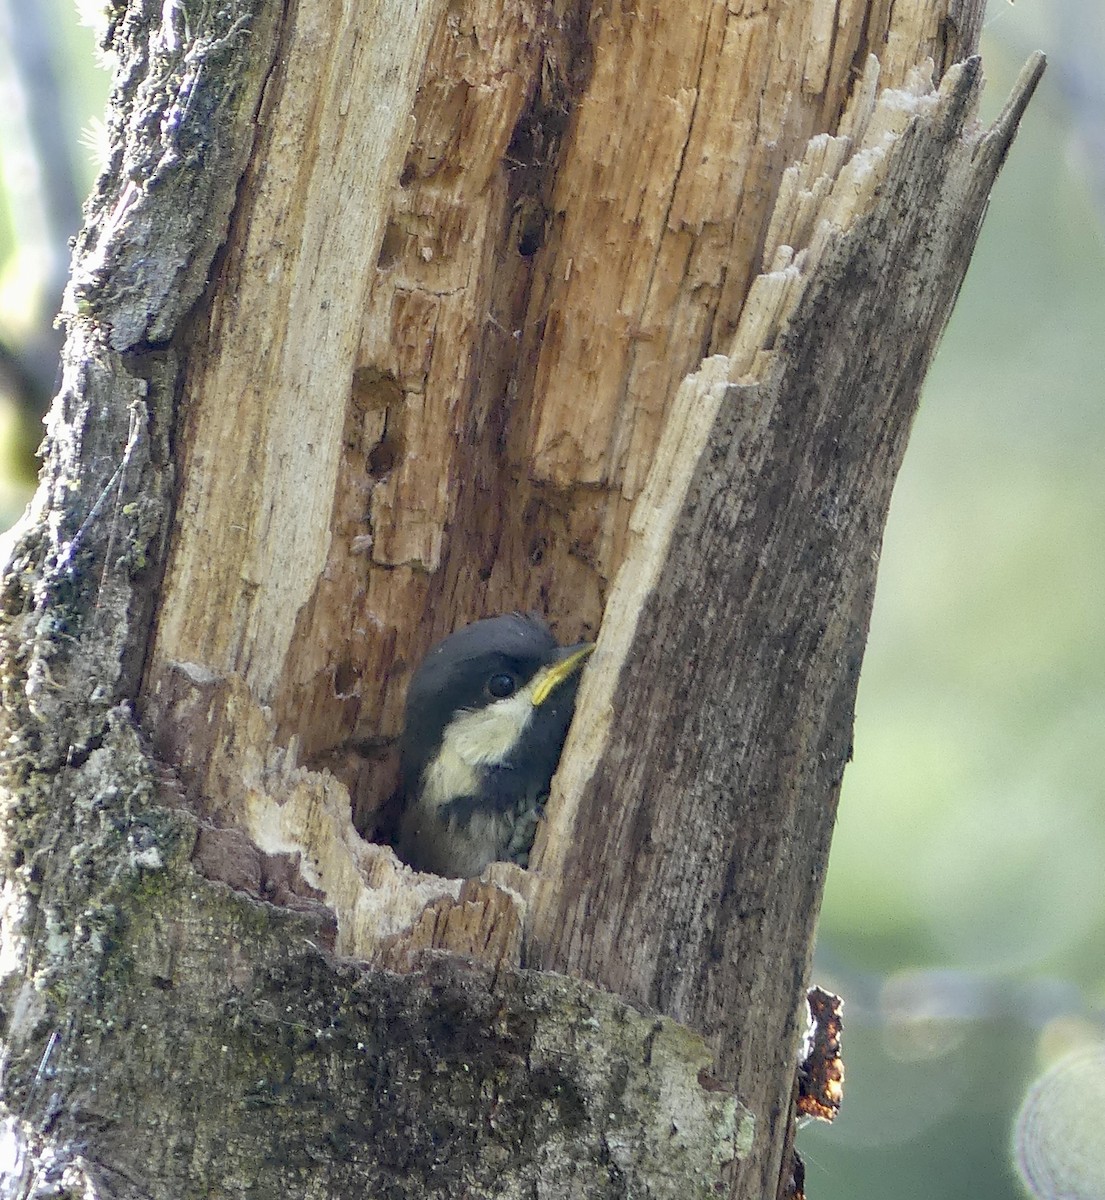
(691, 859)
(384, 319)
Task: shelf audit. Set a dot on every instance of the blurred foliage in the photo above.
(964, 921)
(50, 85)
(964, 917)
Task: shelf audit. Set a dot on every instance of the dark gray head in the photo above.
(484, 662)
(486, 718)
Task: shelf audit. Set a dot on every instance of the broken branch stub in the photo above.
(689, 829)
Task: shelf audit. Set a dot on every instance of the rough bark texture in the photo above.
(448, 361)
(200, 1044)
(685, 859)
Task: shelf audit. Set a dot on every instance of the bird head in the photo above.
(486, 717)
(487, 687)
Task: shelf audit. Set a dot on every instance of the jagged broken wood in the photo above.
(727, 522)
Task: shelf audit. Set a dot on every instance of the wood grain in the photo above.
(478, 247)
(690, 832)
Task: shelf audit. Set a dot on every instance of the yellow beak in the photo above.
(552, 677)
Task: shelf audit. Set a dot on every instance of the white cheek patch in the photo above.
(447, 777)
(486, 736)
(473, 739)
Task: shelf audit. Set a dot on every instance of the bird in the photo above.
(487, 713)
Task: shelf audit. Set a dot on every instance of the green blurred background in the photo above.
(964, 921)
(964, 918)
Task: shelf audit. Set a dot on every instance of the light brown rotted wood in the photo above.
(475, 253)
(518, 311)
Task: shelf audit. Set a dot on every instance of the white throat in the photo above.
(474, 739)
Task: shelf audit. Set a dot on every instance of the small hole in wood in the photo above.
(384, 455)
(346, 679)
(531, 240)
(391, 247)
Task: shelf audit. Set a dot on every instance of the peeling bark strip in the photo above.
(179, 126)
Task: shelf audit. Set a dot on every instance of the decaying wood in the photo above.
(544, 304)
(177, 1039)
(691, 839)
(486, 307)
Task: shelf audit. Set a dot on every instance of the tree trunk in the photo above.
(391, 316)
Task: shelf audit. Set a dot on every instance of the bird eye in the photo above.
(501, 686)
